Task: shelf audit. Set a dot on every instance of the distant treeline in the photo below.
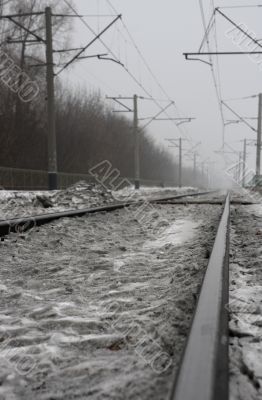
(88, 132)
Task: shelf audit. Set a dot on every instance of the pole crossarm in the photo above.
(9, 41)
(39, 39)
(173, 141)
(88, 45)
(220, 53)
(83, 16)
(238, 27)
(67, 50)
(231, 122)
(187, 57)
(192, 150)
(99, 56)
(237, 115)
(118, 101)
(91, 56)
(22, 15)
(157, 115)
(168, 119)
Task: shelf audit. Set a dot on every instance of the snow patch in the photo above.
(176, 234)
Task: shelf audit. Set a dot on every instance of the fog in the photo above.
(163, 32)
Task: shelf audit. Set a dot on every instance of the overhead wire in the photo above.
(242, 98)
(108, 49)
(133, 77)
(216, 46)
(159, 85)
(209, 28)
(216, 84)
(243, 6)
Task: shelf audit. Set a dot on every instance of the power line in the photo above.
(141, 55)
(209, 28)
(242, 98)
(88, 45)
(148, 67)
(240, 118)
(244, 6)
(84, 15)
(108, 49)
(239, 27)
(216, 45)
(24, 28)
(125, 68)
(217, 85)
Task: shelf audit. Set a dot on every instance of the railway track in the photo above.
(24, 223)
(203, 373)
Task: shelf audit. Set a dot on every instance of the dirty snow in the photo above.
(245, 304)
(176, 233)
(81, 195)
(99, 307)
(145, 192)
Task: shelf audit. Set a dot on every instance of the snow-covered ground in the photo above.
(246, 303)
(99, 307)
(129, 193)
(23, 203)
(80, 195)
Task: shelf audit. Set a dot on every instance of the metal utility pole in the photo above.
(239, 169)
(208, 177)
(173, 141)
(203, 173)
(259, 131)
(244, 163)
(136, 131)
(195, 166)
(52, 155)
(202, 169)
(180, 162)
(49, 64)
(137, 145)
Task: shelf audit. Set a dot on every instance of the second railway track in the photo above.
(25, 222)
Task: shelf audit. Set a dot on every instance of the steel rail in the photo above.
(203, 373)
(22, 224)
(181, 196)
(208, 202)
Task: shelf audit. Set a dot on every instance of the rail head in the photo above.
(203, 373)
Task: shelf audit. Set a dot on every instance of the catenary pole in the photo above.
(259, 129)
(244, 163)
(195, 167)
(52, 154)
(180, 162)
(136, 145)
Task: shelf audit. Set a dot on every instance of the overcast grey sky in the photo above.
(163, 30)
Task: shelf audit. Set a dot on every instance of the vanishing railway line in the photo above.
(203, 370)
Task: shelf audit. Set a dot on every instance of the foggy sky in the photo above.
(163, 30)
